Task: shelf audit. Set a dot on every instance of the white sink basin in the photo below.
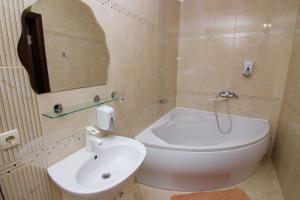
(97, 174)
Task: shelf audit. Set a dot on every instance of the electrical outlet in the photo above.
(9, 139)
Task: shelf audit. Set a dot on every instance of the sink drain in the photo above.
(106, 175)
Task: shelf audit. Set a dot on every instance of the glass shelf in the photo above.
(77, 108)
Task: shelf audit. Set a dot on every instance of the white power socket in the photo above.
(9, 139)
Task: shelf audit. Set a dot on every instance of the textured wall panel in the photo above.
(20, 178)
(27, 181)
(18, 104)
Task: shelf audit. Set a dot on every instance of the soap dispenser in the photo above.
(248, 68)
(105, 118)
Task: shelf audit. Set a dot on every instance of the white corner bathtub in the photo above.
(187, 152)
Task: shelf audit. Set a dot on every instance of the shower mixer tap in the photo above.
(228, 94)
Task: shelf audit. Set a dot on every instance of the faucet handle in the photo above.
(224, 93)
(90, 130)
(228, 94)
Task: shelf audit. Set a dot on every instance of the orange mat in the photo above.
(231, 194)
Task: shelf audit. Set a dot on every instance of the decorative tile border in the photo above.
(44, 152)
(27, 181)
(126, 12)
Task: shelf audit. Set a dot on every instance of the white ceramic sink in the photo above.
(96, 174)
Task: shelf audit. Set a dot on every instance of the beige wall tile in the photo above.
(216, 38)
(136, 71)
(143, 69)
(286, 149)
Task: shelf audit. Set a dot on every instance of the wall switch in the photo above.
(9, 139)
(248, 68)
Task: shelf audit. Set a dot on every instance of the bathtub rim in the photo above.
(147, 133)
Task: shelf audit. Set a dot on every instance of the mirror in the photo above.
(62, 46)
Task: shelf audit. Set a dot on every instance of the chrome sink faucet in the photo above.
(228, 94)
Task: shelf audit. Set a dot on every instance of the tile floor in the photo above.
(263, 185)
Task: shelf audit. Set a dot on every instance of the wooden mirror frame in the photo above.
(31, 51)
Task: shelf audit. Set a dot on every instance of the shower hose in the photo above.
(224, 131)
